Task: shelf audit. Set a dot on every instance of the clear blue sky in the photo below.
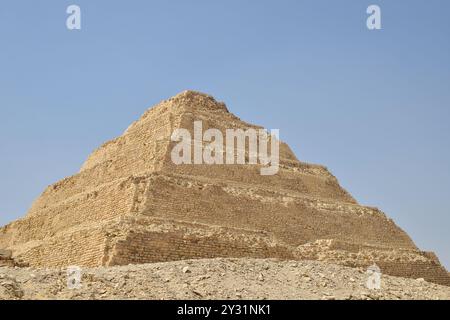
(373, 106)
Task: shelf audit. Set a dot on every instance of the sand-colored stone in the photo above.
(218, 278)
(130, 204)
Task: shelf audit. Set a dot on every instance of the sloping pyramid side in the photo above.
(131, 204)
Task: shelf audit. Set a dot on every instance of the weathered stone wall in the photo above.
(131, 204)
(291, 217)
(427, 270)
(105, 203)
(305, 178)
(83, 247)
(400, 262)
(140, 150)
(142, 147)
(182, 240)
(322, 186)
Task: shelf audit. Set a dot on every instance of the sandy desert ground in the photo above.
(214, 279)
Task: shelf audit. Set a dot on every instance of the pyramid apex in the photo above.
(188, 100)
(192, 93)
(198, 100)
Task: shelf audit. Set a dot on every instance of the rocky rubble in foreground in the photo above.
(214, 279)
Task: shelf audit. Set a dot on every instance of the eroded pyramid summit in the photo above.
(131, 204)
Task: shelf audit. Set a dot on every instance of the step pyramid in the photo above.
(130, 204)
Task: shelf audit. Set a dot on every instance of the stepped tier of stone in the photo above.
(131, 204)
